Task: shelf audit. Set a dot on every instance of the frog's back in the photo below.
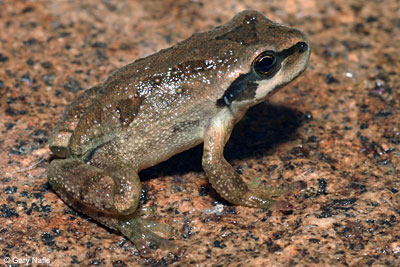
(156, 91)
(173, 81)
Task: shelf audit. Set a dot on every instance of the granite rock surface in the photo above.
(337, 127)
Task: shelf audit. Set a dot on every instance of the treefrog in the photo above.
(158, 106)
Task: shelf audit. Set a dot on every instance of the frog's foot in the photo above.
(142, 233)
(224, 178)
(111, 197)
(262, 196)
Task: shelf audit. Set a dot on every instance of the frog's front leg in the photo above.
(108, 192)
(223, 177)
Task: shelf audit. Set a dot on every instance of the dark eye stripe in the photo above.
(233, 91)
(300, 47)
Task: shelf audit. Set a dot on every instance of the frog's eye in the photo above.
(265, 63)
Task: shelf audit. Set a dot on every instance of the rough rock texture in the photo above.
(337, 127)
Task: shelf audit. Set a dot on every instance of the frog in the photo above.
(147, 111)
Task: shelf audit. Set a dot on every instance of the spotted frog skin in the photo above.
(158, 106)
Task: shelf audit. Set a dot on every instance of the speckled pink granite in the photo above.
(336, 127)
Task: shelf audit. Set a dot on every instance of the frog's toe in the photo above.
(297, 186)
(258, 199)
(263, 196)
(273, 191)
(142, 233)
(149, 241)
(282, 205)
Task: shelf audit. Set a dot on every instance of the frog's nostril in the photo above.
(302, 47)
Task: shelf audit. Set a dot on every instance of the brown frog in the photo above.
(147, 111)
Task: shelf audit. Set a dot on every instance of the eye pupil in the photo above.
(265, 63)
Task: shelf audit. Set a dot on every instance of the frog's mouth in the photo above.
(245, 86)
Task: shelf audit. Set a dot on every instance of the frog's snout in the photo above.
(302, 47)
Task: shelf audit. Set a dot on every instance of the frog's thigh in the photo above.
(59, 139)
(223, 177)
(114, 192)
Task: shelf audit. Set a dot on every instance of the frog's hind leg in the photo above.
(110, 195)
(61, 135)
(114, 192)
